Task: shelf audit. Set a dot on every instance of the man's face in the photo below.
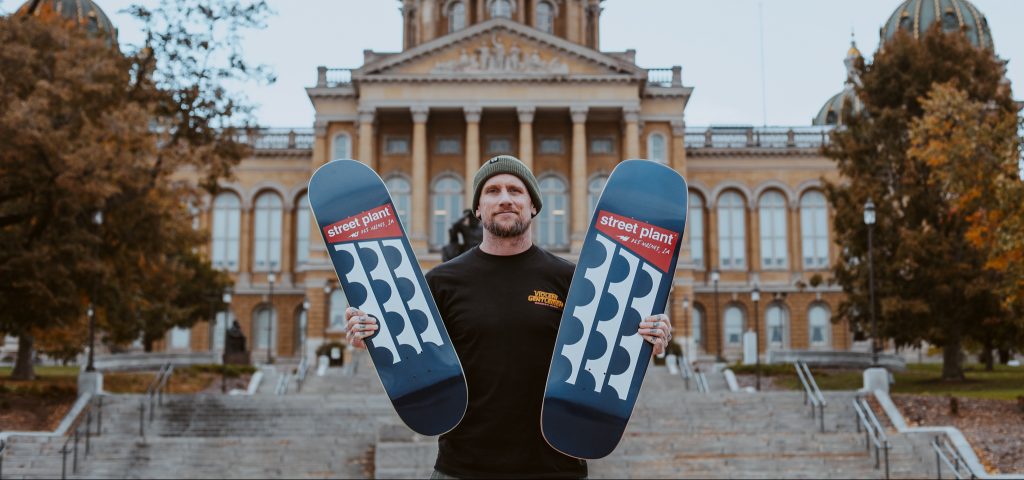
(505, 206)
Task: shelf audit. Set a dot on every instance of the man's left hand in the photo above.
(657, 329)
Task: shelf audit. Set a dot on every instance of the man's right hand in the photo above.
(358, 327)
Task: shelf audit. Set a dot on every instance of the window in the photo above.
(224, 321)
(772, 213)
(302, 228)
(401, 194)
(656, 148)
(731, 232)
(551, 146)
(226, 231)
(733, 326)
(602, 146)
(449, 146)
(180, 338)
(552, 227)
(696, 329)
(267, 235)
(262, 338)
(499, 145)
(342, 147)
(819, 320)
(777, 322)
(447, 207)
(456, 17)
(396, 145)
(594, 189)
(696, 228)
(338, 305)
(545, 17)
(501, 9)
(814, 230)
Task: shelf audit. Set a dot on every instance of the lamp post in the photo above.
(226, 298)
(686, 319)
(97, 220)
(869, 220)
(305, 325)
(327, 311)
(755, 295)
(270, 321)
(715, 276)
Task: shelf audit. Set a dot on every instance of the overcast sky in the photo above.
(717, 42)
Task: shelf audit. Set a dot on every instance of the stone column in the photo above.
(526, 135)
(631, 116)
(677, 154)
(472, 149)
(366, 137)
(579, 176)
(420, 209)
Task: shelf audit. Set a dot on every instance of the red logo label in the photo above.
(379, 222)
(653, 243)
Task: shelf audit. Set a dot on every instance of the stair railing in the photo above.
(81, 426)
(685, 370)
(874, 434)
(282, 384)
(946, 454)
(300, 374)
(154, 396)
(3, 447)
(702, 382)
(812, 394)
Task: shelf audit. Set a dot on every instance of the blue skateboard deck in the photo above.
(624, 275)
(379, 274)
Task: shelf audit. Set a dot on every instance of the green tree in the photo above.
(931, 283)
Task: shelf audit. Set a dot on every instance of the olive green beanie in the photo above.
(512, 166)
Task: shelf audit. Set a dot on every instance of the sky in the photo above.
(718, 43)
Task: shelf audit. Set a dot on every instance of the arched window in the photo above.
(656, 148)
(814, 230)
(696, 329)
(545, 17)
(594, 189)
(227, 212)
(181, 339)
(267, 233)
(456, 16)
(263, 336)
(501, 9)
(342, 147)
(302, 228)
(338, 305)
(224, 321)
(731, 232)
(772, 214)
(446, 200)
(696, 229)
(552, 227)
(819, 321)
(401, 194)
(777, 324)
(733, 325)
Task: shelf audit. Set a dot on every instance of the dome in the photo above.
(83, 13)
(916, 16)
(831, 112)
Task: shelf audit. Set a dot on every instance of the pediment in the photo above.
(499, 48)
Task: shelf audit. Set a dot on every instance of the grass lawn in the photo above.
(1004, 383)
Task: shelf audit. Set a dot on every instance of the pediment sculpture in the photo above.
(496, 58)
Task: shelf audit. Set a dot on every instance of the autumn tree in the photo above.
(931, 282)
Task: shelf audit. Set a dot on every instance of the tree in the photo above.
(87, 129)
(930, 280)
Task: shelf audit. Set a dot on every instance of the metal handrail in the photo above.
(282, 384)
(702, 382)
(943, 452)
(75, 429)
(873, 432)
(3, 447)
(301, 374)
(812, 394)
(155, 393)
(685, 370)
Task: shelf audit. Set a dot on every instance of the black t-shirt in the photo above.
(502, 314)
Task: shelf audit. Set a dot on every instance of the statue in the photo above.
(234, 346)
(470, 230)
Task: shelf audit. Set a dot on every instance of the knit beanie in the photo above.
(512, 166)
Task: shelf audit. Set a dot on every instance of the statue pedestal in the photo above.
(237, 358)
(90, 382)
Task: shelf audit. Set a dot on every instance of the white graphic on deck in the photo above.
(609, 328)
(394, 304)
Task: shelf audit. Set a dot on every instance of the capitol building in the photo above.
(478, 78)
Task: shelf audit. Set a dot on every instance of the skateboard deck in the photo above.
(379, 274)
(624, 275)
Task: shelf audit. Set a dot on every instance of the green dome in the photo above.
(83, 13)
(917, 16)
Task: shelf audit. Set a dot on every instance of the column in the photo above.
(677, 155)
(472, 149)
(420, 209)
(366, 137)
(526, 135)
(631, 115)
(579, 176)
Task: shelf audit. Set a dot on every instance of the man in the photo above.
(501, 304)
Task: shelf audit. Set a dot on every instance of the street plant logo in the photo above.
(546, 299)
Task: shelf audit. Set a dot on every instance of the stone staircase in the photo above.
(342, 425)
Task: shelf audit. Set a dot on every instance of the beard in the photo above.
(516, 229)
